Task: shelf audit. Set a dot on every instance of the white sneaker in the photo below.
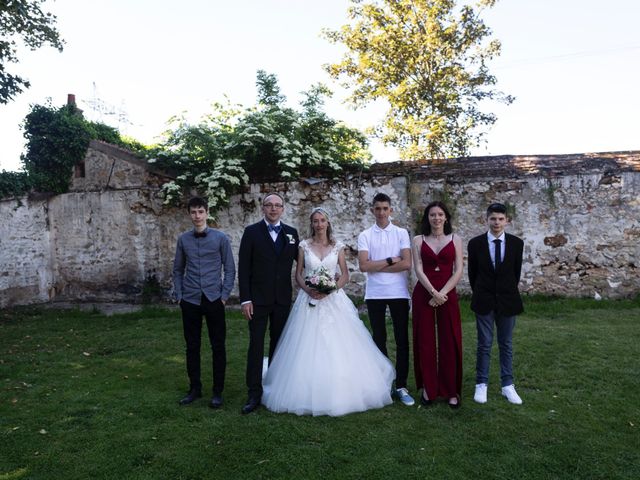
(404, 397)
(481, 393)
(510, 392)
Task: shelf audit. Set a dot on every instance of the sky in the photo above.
(572, 65)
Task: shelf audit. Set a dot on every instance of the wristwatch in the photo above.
(389, 261)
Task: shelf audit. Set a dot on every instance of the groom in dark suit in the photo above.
(267, 251)
(495, 263)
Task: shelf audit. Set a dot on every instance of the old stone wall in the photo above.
(109, 245)
(581, 231)
(110, 241)
(26, 274)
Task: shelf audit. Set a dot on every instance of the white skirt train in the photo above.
(326, 362)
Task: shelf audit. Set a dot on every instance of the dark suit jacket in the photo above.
(495, 290)
(264, 276)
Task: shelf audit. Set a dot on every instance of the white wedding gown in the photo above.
(326, 362)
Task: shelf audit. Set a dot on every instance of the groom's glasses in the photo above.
(273, 205)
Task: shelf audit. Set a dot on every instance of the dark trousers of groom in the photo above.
(275, 316)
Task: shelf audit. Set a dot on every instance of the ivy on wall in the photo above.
(14, 184)
(57, 139)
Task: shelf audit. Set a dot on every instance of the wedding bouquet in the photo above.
(322, 281)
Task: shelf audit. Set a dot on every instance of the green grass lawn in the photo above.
(83, 395)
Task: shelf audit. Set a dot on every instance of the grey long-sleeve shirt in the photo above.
(199, 264)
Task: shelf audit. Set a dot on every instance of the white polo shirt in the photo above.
(382, 243)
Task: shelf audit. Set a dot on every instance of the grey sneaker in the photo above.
(403, 395)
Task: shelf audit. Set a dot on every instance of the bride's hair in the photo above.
(324, 213)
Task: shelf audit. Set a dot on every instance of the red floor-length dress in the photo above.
(438, 368)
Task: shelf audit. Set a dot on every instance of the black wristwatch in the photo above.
(389, 261)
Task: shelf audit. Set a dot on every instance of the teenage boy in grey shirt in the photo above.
(202, 254)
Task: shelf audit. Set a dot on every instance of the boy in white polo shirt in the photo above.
(384, 253)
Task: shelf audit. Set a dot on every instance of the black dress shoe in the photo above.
(251, 405)
(190, 397)
(216, 401)
(455, 406)
(425, 402)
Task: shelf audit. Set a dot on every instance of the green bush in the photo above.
(14, 184)
(267, 142)
(57, 139)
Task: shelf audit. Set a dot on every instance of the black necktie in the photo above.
(498, 252)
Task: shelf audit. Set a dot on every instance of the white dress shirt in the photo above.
(492, 246)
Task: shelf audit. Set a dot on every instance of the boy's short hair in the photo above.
(196, 202)
(496, 208)
(381, 197)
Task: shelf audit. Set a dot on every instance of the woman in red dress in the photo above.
(437, 332)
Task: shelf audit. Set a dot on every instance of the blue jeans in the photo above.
(504, 326)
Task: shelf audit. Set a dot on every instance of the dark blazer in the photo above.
(495, 290)
(264, 276)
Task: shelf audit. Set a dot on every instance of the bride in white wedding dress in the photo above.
(326, 362)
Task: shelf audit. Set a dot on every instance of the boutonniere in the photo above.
(292, 240)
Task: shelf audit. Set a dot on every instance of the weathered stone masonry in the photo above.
(111, 235)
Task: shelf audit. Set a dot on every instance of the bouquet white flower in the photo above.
(322, 281)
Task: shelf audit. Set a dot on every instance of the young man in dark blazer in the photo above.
(267, 251)
(495, 263)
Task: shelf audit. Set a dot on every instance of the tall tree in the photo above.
(427, 60)
(22, 22)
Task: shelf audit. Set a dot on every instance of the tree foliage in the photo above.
(22, 22)
(428, 60)
(268, 142)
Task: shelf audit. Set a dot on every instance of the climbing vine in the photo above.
(57, 139)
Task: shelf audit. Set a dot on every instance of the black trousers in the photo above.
(275, 316)
(214, 314)
(399, 308)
